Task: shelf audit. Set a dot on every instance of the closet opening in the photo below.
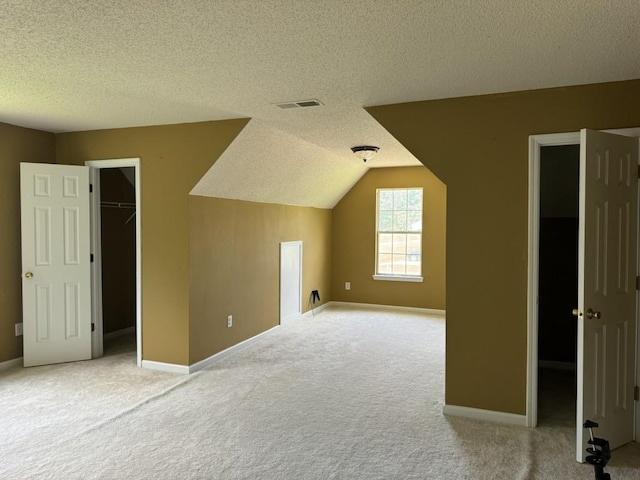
(116, 266)
(558, 284)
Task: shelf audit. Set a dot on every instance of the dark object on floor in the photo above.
(599, 452)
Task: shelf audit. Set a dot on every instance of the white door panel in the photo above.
(606, 286)
(290, 280)
(56, 288)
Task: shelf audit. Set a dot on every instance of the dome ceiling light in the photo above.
(365, 152)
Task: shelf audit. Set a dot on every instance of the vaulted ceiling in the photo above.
(82, 65)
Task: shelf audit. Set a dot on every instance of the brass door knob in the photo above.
(593, 314)
(28, 275)
(576, 312)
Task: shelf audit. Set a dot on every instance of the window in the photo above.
(399, 234)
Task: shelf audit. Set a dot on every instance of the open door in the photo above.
(606, 310)
(56, 282)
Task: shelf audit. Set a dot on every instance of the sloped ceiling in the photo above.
(81, 65)
(265, 164)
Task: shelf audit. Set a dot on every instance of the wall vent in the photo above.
(299, 104)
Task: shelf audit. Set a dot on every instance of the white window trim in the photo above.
(400, 278)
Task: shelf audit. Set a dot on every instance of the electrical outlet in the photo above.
(347, 285)
(229, 321)
(18, 329)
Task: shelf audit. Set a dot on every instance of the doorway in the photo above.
(558, 284)
(118, 242)
(116, 249)
(290, 281)
(536, 145)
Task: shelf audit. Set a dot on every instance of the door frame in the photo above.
(96, 249)
(536, 142)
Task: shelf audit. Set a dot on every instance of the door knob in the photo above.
(576, 312)
(28, 275)
(593, 314)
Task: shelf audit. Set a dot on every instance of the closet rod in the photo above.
(118, 204)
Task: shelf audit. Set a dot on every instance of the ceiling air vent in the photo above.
(299, 104)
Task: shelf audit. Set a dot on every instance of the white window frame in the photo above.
(398, 277)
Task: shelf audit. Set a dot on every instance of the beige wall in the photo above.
(354, 231)
(173, 159)
(235, 267)
(478, 146)
(16, 145)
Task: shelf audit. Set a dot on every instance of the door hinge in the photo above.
(636, 393)
(638, 171)
(91, 184)
(637, 283)
(92, 260)
(93, 327)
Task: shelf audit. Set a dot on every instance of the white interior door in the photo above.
(290, 281)
(56, 282)
(606, 286)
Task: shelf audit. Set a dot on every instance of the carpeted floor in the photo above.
(349, 394)
(556, 398)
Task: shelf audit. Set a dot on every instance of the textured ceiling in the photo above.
(81, 65)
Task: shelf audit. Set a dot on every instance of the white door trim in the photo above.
(97, 348)
(97, 253)
(535, 144)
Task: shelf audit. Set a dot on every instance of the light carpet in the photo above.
(349, 394)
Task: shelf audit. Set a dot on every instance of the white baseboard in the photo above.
(185, 370)
(485, 415)
(310, 313)
(427, 311)
(119, 333)
(225, 353)
(292, 319)
(15, 362)
(165, 367)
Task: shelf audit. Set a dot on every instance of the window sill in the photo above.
(399, 278)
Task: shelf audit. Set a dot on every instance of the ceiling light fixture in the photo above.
(365, 152)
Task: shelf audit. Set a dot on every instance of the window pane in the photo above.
(384, 263)
(400, 243)
(385, 220)
(414, 199)
(413, 265)
(399, 199)
(399, 221)
(385, 200)
(414, 244)
(385, 243)
(414, 221)
(399, 264)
